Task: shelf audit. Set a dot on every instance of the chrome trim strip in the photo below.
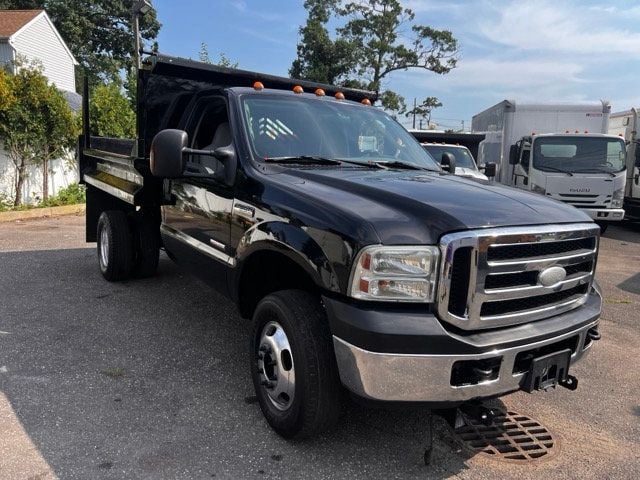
(201, 247)
(243, 210)
(116, 192)
(126, 174)
(481, 241)
(427, 378)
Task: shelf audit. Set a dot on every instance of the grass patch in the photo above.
(72, 195)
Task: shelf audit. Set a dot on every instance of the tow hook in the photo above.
(594, 335)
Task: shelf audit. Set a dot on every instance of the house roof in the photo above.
(11, 21)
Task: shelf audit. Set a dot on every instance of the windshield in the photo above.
(462, 154)
(300, 127)
(579, 154)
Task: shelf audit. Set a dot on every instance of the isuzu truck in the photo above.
(561, 151)
(625, 124)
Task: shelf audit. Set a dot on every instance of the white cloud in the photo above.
(565, 27)
(496, 73)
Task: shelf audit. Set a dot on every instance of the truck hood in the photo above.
(416, 207)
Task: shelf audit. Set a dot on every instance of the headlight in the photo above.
(618, 198)
(538, 189)
(397, 274)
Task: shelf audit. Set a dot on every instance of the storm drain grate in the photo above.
(512, 437)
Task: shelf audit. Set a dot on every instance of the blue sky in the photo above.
(537, 50)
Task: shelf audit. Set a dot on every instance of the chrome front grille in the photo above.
(491, 278)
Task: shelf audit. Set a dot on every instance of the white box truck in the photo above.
(561, 151)
(626, 124)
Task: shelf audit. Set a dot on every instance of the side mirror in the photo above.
(167, 149)
(513, 155)
(448, 162)
(490, 169)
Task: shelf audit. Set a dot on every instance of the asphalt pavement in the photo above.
(149, 379)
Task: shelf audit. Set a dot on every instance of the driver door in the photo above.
(196, 228)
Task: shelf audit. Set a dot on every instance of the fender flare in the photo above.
(290, 241)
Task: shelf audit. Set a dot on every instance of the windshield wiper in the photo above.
(317, 160)
(407, 165)
(554, 169)
(303, 159)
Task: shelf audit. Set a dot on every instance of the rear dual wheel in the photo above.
(127, 246)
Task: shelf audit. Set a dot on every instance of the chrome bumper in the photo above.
(427, 378)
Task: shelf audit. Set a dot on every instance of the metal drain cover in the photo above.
(512, 437)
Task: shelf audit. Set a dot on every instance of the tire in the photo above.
(147, 246)
(115, 246)
(603, 227)
(315, 404)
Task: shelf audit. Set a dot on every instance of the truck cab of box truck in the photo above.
(562, 151)
(584, 170)
(625, 124)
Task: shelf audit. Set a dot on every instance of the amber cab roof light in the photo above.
(258, 86)
(298, 89)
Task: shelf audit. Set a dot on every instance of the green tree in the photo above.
(98, 32)
(223, 60)
(320, 58)
(424, 109)
(373, 45)
(111, 113)
(35, 128)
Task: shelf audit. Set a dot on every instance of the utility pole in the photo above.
(415, 105)
(139, 9)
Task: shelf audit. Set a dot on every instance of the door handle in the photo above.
(636, 178)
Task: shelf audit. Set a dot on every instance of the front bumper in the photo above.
(605, 214)
(395, 357)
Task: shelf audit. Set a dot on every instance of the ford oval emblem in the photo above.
(551, 276)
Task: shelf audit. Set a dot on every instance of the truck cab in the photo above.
(584, 170)
(465, 163)
(625, 125)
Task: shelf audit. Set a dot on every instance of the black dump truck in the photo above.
(363, 265)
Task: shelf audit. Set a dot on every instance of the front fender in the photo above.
(323, 255)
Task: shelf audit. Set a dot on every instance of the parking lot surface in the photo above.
(150, 379)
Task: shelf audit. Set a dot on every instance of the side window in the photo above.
(208, 129)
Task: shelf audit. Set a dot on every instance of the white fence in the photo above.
(62, 173)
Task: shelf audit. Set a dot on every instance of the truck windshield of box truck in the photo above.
(579, 154)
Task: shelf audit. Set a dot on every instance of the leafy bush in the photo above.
(6, 203)
(71, 195)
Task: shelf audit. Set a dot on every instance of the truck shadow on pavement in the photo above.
(149, 379)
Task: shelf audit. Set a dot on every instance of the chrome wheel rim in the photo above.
(104, 247)
(275, 366)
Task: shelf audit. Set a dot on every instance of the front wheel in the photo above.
(293, 365)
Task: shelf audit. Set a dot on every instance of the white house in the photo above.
(30, 34)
